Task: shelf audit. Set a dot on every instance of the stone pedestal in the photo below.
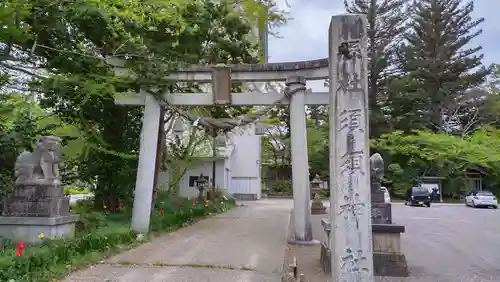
(36, 208)
(317, 207)
(27, 229)
(388, 258)
(325, 257)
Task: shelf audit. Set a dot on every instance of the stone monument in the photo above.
(381, 211)
(388, 259)
(37, 204)
(317, 206)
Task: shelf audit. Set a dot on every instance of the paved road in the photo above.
(252, 237)
(450, 243)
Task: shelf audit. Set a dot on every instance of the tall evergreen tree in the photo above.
(439, 60)
(385, 26)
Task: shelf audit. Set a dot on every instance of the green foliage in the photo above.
(37, 262)
(281, 186)
(55, 258)
(75, 190)
(444, 155)
(439, 60)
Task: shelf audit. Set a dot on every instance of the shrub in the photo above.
(36, 262)
(54, 258)
(73, 190)
(219, 193)
(281, 186)
(324, 193)
(91, 221)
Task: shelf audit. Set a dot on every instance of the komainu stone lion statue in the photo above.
(41, 165)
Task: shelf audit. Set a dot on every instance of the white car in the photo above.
(73, 199)
(387, 196)
(478, 199)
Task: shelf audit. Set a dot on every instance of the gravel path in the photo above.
(244, 244)
(444, 243)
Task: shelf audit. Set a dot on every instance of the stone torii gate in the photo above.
(350, 205)
(294, 74)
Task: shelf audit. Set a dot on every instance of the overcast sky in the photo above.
(305, 37)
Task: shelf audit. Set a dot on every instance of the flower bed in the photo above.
(55, 258)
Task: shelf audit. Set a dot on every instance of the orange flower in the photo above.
(162, 212)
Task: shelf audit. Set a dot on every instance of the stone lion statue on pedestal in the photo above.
(41, 165)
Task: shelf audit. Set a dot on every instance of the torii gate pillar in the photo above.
(141, 212)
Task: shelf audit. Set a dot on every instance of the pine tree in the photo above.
(385, 26)
(438, 59)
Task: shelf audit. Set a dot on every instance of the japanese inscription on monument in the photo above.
(351, 207)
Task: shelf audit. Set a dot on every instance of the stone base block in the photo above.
(27, 229)
(388, 259)
(44, 207)
(317, 207)
(37, 191)
(325, 258)
(393, 265)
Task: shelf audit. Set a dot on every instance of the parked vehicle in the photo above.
(418, 196)
(387, 196)
(73, 199)
(478, 199)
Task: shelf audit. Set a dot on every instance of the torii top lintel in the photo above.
(311, 70)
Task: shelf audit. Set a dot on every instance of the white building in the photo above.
(237, 169)
(238, 165)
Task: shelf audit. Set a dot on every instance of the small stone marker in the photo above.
(381, 211)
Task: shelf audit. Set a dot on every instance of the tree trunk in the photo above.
(161, 132)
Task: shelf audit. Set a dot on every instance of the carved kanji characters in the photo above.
(352, 162)
(350, 119)
(352, 261)
(351, 207)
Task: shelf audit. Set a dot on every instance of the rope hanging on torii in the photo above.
(228, 123)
